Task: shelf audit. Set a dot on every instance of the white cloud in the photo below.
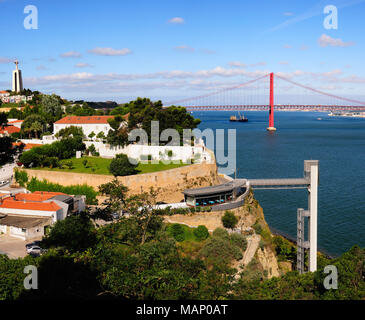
(41, 67)
(184, 48)
(327, 41)
(83, 65)
(287, 46)
(288, 14)
(237, 64)
(110, 51)
(176, 20)
(71, 54)
(283, 62)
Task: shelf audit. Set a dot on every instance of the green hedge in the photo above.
(44, 185)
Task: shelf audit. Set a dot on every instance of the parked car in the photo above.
(34, 243)
(34, 250)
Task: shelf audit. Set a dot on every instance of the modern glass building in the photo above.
(214, 195)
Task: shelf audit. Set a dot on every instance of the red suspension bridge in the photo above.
(258, 95)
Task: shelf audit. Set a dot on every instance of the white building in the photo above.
(88, 124)
(4, 94)
(26, 215)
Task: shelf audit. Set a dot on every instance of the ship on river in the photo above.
(240, 118)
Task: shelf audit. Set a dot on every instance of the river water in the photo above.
(339, 144)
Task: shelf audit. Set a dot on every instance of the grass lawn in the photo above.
(97, 165)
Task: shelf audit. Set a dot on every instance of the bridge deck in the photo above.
(279, 183)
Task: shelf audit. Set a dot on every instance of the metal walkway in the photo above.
(295, 183)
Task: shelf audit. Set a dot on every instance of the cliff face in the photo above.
(259, 256)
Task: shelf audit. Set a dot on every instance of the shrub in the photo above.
(201, 233)
(239, 240)
(89, 192)
(120, 166)
(177, 231)
(92, 150)
(257, 227)
(64, 149)
(21, 177)
(237, 253)
(221, 233)
(229, 220)
(69, 164)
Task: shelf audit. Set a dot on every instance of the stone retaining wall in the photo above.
(171, 182)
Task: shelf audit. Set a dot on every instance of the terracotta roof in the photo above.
(16, 121)
(28, 146)
(4, 92)
(9, 129)
(87, 119)
(10, 203)
(49, 193)
(35, 197)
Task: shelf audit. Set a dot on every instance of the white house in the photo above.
(88, 124)
(26, 215)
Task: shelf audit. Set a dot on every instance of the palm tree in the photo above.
(36, 127)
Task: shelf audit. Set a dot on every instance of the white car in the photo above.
(34, 250)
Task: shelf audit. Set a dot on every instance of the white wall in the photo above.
(135, 151)
(86, 128)
(52, 214)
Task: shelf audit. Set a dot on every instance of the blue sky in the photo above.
(118, 50)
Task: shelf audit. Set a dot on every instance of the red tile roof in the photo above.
(87, 119)
(9, 129)
(10, 203)
(28, 146)
(37, 196)
(16, 121)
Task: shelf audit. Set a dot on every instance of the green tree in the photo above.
(8, 151)
(33, 125)
(177, 231)
(141, 208)
(116, 194)
(201, 233)
(118, 134)
(91, 135)
(71, 131)
(51, 105)
(142, 111)
(100, 135)
(121, 166)
(75, 233)
(229, 220)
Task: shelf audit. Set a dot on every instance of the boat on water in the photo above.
(240, 118)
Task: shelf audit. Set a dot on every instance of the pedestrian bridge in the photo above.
(288, 183)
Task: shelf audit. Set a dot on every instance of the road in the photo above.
(252, 245)
(13, 247)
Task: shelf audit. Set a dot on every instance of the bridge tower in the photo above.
(271, 114)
